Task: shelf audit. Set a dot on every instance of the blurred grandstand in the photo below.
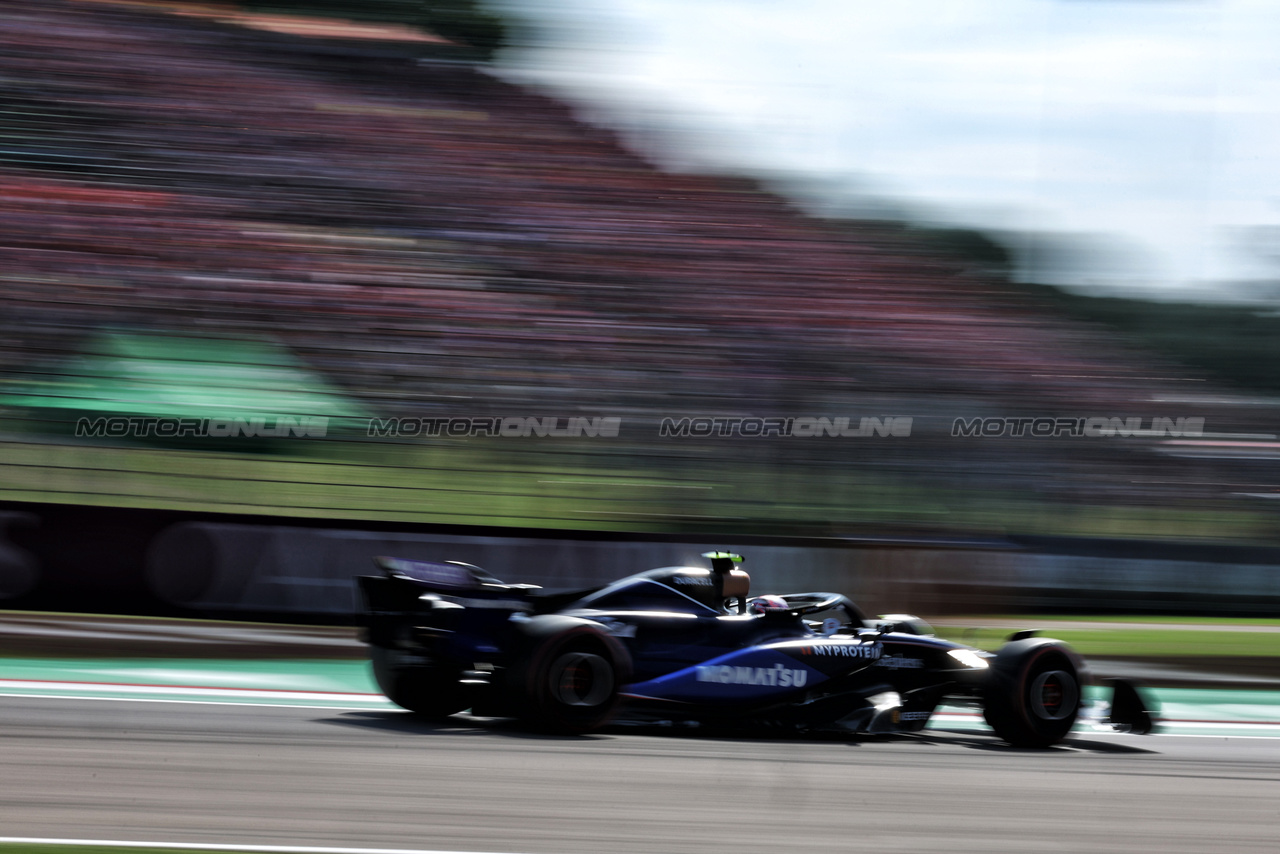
(437, 242)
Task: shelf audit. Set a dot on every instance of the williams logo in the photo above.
(777, 676)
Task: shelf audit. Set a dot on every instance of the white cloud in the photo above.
(1154, 122)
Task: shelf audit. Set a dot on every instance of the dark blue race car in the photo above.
(689, 643)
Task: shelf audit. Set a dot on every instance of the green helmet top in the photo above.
(722, 561)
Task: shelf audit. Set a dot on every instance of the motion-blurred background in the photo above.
(346, 259)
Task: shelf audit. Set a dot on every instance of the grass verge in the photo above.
(1156, 641)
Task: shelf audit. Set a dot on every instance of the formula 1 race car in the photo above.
(688, 644)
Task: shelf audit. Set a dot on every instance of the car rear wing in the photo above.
(412, 603)
(406, 585)
(448, 577)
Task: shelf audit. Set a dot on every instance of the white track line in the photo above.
(205, 846)
(341, 701)
(233, 703)
(191, 691)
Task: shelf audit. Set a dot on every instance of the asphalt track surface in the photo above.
(99, 769)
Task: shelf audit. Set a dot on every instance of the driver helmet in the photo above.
(765, 604)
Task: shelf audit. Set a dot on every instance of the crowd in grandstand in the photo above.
(437, 240)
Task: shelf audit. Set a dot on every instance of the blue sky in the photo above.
(1143, 132)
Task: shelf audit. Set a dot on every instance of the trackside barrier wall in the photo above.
(61, 558)
(229, 567)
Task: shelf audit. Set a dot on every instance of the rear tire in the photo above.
(569, 679)
(1034, 694)
(432, 691)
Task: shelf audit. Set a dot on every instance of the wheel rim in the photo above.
(581, 679)
(1054, 695)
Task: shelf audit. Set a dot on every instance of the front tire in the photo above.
(1034, 693)
(431, 691)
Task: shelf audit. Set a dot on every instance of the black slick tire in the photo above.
(1033, 693)
(567, 680)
